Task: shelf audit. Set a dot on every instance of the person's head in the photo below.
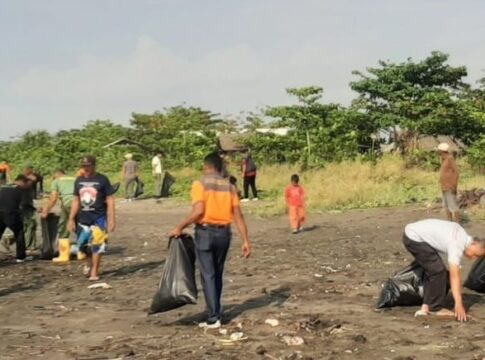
(58, 173)
(4, 162)
(21, 181)
(28, 170)
(476, 249)
(88, 165)
(295, 179)
(129, 156)
(444, 150)
(160, 154)
(212, 163)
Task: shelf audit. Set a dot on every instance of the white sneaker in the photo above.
(255, 199)
(28, 258)
(205, 325)
(245, 200)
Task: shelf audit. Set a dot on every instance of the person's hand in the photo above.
(44, 214)
(246, 249)
(460, 313)
(175, 233)
(71, 226)
(111, 225)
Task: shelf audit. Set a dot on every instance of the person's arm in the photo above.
(243, 167)
(71, 225)
(287, 196)
(110, 203)
(52, 202)
(455, 282)
(197, 212)
(243, 231)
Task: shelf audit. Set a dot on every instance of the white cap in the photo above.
(128, 156)
(444, 147)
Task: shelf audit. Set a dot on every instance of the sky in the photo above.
(64, 62)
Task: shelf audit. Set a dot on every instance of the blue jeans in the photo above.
(212, 245)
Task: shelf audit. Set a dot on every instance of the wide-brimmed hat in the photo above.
(444, 147)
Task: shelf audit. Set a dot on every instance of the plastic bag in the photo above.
(405, 288)
(168, 181)
(140, 188)
(49, 236)
(476, 278)
(177, 285)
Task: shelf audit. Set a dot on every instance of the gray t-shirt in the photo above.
(446, 237)
(131, 169)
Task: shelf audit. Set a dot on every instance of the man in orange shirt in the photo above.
(295, 201)
(215, 205)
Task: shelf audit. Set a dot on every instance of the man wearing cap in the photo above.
(449, 182)
(129, 174)
(215, 205)
(426, 240)
(92, 214)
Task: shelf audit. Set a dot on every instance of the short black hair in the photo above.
(89, 159)
(22, 178)
(213, 160)
(295, 178)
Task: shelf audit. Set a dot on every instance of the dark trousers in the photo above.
(435, 280)
(250, 181)
(212, 245)
(14, 222)
(130, 184)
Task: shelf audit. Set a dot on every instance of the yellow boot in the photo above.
(64, 251)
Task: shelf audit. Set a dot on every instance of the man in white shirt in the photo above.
(426, 240)
(157, 172)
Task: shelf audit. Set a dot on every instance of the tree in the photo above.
(421, 97)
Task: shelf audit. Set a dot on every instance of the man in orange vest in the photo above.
(215, 205)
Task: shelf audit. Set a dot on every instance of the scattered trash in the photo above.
(360, 339)
(236, 336)
(145, 244)
(272, 322)
(293, 340)
(130, 258)
(318, 275)
(223, 332)
(329, 269)
(100, 286)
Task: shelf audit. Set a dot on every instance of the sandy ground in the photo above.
(320, 285)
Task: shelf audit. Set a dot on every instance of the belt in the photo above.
(213, 226)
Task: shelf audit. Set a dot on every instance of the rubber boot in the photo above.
(64, 251)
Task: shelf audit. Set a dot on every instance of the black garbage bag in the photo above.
(49, 236)
(140, 188)
(476, 278)
(177, 285)
(116, 187)
(168, 181)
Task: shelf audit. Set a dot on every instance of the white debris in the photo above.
(272, 322)
(100, 286)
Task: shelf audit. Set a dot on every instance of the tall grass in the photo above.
(338, 186)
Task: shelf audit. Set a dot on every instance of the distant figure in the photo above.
(449, 182)
(249, 170)
(129, 174)
(11, 200)
(157, 173)
(5, 172)
(92, 214)
(62, 189)
(295, 201)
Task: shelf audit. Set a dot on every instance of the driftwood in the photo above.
(469, 198)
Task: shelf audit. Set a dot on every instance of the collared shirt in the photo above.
(446, 237)
(219, 198)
